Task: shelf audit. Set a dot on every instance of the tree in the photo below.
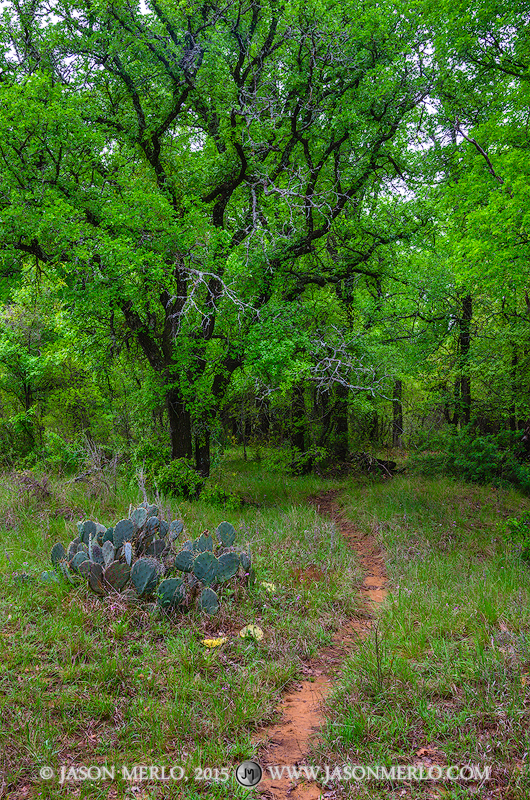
(177, 167)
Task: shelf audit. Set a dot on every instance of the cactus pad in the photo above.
(77, 560)
(246, 561)
(175, 529)
(184, 561)
(171, 592)
(95, 579)
(84, 567)
(227, 566)
(58, 554)
(89, 531)
(208, 601)
(144, 576)
(205, 568)
(226, 533)
(72, 550)
(123, 532)
(128, 552)
(153, 524)
(108, 553)
(117, 575)
(139, 517)
(157, 548)
(203, 543)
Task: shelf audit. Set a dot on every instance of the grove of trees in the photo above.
(303, 223)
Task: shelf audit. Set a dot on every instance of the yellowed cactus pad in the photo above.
(253, 631)
(270, 587)
(214, 642)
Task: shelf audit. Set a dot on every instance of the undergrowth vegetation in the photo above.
(443, 678)
(88, 680)
(495, 459)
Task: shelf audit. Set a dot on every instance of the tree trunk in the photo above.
(465, 342)
(179, 425)
(513, 380)
(397, 414)
(300, 464)
(202, 453)
(341, 448)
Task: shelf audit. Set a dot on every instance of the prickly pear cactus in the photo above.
(227, 566)
(184, 561)
(205, 568)
(144, 576)
(208, 601)
(135, 557)
(226, 533)
(171, 592)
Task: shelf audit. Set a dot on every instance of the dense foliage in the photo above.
(305, 225)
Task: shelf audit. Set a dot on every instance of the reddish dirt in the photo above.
(289, 742)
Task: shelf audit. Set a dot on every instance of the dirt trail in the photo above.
(288, 743)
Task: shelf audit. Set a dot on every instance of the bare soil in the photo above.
(289, 741)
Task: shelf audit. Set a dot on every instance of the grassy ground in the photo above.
(85, 681)
(444, 677)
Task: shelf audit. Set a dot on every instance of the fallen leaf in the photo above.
(215, 642)
(270, 587)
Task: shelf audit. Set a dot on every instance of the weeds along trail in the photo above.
(288, 743)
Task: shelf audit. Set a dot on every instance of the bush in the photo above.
(62, 454)
(215, 495)
(180, 479)
(518, 532)
(487, 459)
(150, 456)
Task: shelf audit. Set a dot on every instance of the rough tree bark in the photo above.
(397, 415)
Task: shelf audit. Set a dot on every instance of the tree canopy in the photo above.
(327, 199)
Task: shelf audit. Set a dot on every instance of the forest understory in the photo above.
(434, 672)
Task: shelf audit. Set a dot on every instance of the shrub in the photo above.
(179, 478)
(215, 495)
(518, 532)
(487, 459)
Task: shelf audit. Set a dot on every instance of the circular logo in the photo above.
(249, 773)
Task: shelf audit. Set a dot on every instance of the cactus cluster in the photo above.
(141, 557)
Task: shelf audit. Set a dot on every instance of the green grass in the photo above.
(444, 676)
(449, 673)
(87, 681)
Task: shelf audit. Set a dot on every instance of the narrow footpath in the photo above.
(289, 742)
